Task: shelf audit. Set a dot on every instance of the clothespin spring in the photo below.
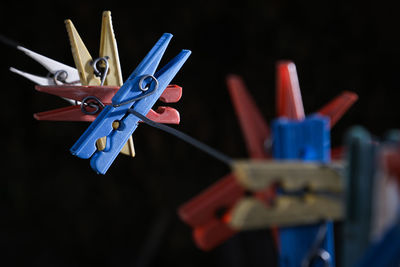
(93, 102)
(91, 105)
(104, 67)
(143, 89)
(60, 77)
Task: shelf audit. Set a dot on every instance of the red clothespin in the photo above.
(91, 99)
(209, 212)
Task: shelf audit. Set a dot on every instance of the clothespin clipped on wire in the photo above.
(59, 73)
(210, 212)
(309, 193)
(105, 71)
(137, 95)
(88, 100)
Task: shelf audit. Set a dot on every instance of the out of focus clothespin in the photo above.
(371, 231)
(211, 212)
(308, 193)
(138, 94)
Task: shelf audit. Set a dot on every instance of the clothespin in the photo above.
(108, 55)
(137, 95)
(89, 73)
(90, 100)
(371, 232)
(293, 206)
(210, 212)
(61, 73)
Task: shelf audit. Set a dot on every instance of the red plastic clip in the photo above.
(103, 94)
(254, 127)
(209, 212)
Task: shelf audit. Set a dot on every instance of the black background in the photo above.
(58, 212)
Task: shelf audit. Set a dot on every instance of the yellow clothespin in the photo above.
(311, 193)
(86, 66)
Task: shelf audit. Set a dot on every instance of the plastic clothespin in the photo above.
(296, 137)
(108, 54)
(89, 100)
(208, 213)
(139, 93)
(88, 68)
(61, 73)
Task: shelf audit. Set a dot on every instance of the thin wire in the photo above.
(188, 139)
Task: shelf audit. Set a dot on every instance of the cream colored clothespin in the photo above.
(84, 64)
(323, 184)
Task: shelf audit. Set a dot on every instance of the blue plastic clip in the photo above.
(308, 139)
(139, 92)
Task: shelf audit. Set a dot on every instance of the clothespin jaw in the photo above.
(253, 125)
(207, 213)
(292, 206)
(82, 58)
(338, 106)
(62, 73)
(140, 92)
(288, 95)
(108, 48)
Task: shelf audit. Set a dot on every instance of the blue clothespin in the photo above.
(307, 139)
(139, 93)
